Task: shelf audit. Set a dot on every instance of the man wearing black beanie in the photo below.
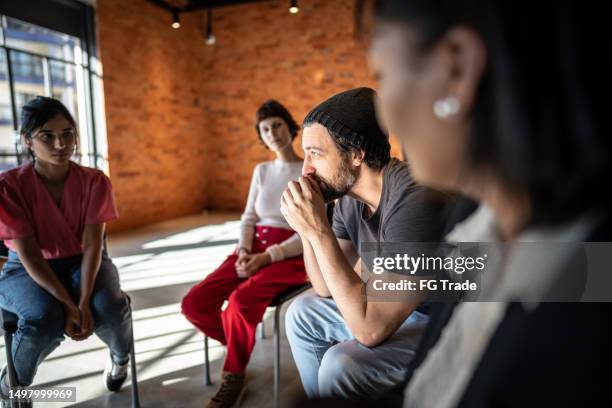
(344, 343)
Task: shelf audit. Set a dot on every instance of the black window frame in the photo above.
(70, 17)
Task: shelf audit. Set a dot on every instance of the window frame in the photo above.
(77, 19)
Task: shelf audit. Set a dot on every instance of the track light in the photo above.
(294, 9)
(175, 19)
(210, 37)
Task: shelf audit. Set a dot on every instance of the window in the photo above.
(37, 60)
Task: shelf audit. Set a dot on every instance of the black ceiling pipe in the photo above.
(195, 5)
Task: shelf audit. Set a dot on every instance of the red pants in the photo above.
(248, 298)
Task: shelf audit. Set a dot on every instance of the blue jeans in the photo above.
(41, 316)
(333, 364)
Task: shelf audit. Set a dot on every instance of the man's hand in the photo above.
(303, 207)
(252, 264)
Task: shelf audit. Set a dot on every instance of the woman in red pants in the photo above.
(267, 261)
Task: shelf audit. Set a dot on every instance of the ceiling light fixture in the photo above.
(210, 37)
(175, 19)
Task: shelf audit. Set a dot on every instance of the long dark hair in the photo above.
(39, 111)
(539, 120)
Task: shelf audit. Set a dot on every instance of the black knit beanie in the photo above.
(351, 118)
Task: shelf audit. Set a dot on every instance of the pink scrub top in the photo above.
(27, 208)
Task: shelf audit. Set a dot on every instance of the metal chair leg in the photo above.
(262, 329)
(206, 363)
(277, 356)
(10, 366)
(135, 395)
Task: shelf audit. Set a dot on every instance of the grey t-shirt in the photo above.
(407, 212)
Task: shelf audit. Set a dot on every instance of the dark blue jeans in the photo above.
(41, 316)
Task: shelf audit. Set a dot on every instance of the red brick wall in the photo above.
(263, 52)
(156, 128)
(169, 157)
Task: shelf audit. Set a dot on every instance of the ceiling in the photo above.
(184, 6)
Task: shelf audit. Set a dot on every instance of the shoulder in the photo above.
(17, 181)
(278, 169)
(264, 166)
(17, 184)
(398, 176)
(399, 185)
(89, 173)
(93, 180)
(18, 173)
(260, 169)
(402, 188)
(86, 171)
(411, 210)
(418, 202)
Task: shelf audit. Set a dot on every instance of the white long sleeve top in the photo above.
(263, 207)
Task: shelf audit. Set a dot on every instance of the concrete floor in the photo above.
(157, 266)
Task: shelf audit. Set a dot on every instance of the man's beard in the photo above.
(339, 184)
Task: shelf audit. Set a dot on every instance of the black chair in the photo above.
(277, 304)
(9, 325)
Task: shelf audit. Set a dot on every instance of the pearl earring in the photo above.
(446, 107)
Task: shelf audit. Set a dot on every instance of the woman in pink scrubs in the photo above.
(59, 279)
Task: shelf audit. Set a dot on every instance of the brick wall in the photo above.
(180, 113)
(155, 124)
